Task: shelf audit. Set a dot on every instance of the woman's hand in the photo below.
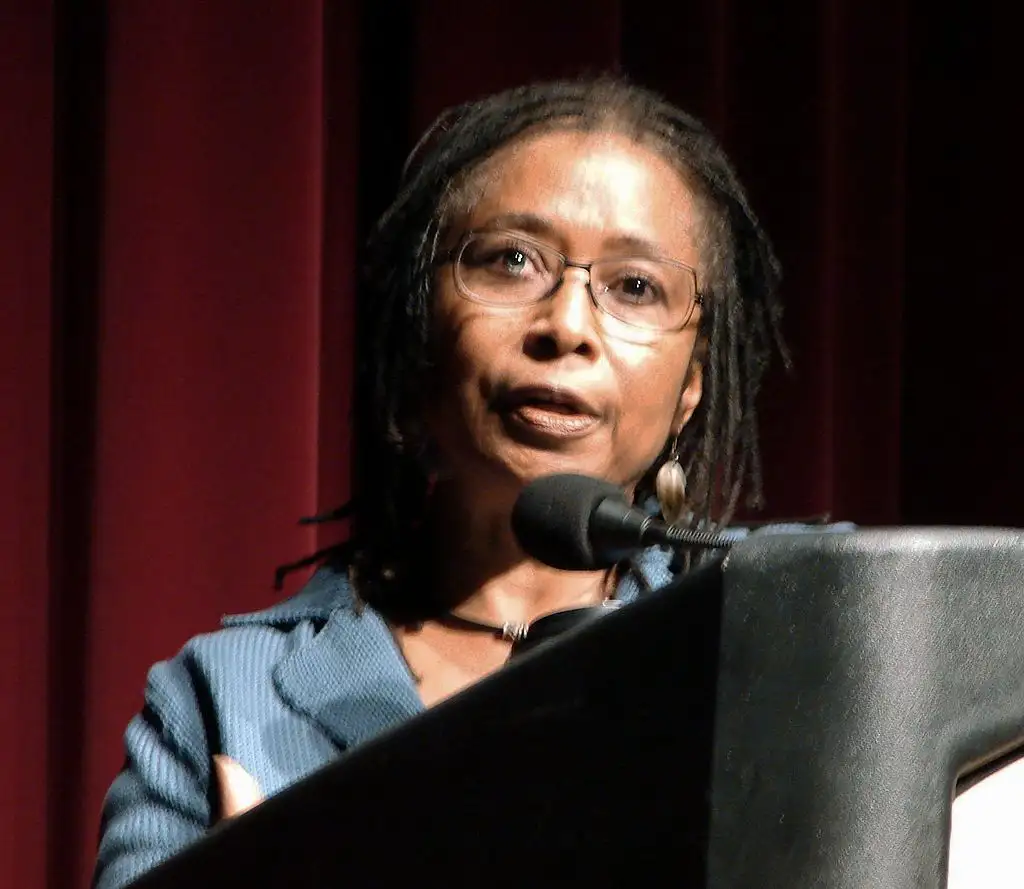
(238, 790)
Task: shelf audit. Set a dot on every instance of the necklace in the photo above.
(510, 631)
(513, 632)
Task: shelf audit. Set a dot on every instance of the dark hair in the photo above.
(740, 274)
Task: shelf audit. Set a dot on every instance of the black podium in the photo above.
(796, 714)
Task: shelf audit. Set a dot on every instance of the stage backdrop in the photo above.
(183, 188)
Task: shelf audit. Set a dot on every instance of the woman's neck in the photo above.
(479, 571)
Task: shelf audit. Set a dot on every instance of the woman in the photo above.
(570, 279)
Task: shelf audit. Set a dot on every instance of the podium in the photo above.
(797, 713)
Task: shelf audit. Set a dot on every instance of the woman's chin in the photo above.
(500, 465)
(526, 465)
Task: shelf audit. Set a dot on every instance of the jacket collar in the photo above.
(325, 592)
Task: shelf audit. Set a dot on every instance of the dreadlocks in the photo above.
(740, 322)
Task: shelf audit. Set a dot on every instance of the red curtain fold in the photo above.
(208, 381)
(185, 187)
(26, 137)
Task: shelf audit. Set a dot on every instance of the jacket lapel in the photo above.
(349, 678)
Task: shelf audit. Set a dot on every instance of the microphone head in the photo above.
(551, 520)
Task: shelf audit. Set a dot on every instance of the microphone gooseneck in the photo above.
(579, 523)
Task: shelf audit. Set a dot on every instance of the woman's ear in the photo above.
(693, 389)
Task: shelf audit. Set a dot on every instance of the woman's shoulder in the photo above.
(271, 677)
(272, 689)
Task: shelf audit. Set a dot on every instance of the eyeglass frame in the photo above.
(454, 256)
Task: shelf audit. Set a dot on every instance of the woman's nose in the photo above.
(565, 319)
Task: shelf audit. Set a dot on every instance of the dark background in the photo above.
(185, 184)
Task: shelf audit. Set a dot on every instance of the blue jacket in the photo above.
(283, 691)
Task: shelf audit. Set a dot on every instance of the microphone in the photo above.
(578, 523)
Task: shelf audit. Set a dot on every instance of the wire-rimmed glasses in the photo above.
(508, 269)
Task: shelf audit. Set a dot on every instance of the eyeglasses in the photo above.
(507, 269)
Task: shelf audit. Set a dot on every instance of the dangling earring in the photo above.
(670, 486)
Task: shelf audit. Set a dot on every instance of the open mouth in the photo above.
(547, 412)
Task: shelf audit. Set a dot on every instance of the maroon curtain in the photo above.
(184, 188)
(26, 191)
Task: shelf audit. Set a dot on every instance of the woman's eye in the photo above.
(514, 261)
(637, 290)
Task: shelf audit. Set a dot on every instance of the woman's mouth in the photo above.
(547, 413)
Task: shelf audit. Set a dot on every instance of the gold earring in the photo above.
(670, 486)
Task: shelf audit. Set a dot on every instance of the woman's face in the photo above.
(559, 386)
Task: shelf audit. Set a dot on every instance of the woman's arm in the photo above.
(161, 800)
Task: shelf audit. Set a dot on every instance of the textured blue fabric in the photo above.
(283, 691)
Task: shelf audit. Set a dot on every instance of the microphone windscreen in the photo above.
(551, 520)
